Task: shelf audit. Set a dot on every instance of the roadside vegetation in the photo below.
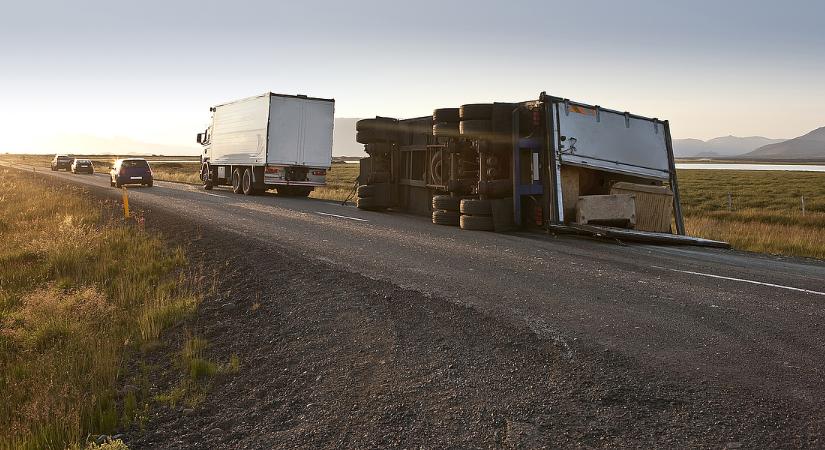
(82, 291)
(763, 212)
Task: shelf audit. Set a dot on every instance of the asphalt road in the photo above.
(728, 318)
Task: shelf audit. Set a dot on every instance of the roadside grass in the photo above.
(79, 292)
(765, 212)
(340, 180)
(197, 372)
(178, 172)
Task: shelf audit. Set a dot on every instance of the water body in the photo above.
(736, 166)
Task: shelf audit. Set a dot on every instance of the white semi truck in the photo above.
(271, 141)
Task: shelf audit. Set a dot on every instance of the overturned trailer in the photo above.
(550, 163)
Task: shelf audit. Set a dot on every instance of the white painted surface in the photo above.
(341, 217)
(742, 280)
(239, 131)
(300, 132)
(273, 129)
(610, 141)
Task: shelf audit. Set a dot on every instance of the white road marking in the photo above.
(341, 217)
(779, 286)
(213, 195)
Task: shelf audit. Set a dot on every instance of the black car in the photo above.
(82, 166)
(62, 162)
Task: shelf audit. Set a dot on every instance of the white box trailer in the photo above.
(269, 141)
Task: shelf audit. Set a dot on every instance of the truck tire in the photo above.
(246, 183)
(375, 136)
(476, 111)
(475, 128)
(476, 223)
(206, 177)
(377, 124)
(366, 191)
(446, 203)
(446, 129)
(369, 204)
(236, 181)
(449, 115)
(475, 207)
(449, 218)
(380, 129)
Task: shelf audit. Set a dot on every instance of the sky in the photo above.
(148, 71)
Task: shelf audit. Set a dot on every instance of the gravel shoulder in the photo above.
(334, 359)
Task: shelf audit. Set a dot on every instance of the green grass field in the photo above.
(80, 291)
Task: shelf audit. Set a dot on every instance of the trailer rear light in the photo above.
(123, 171)
(319, 173)
(272, 170)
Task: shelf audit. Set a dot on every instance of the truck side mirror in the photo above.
(200, 138)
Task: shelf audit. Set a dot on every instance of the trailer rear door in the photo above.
(612, 141)
(300, 131)
(318, 122)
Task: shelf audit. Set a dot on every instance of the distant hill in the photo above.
(720, 147)
(808, 146)
(343, 138)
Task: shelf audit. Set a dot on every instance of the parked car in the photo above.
(82, 166)
(62, 162)
(131, 171)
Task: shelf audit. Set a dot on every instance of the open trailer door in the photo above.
(612, 141)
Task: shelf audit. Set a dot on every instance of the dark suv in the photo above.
(62, 162)
(131, 171)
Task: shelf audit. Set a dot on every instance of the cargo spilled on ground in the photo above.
(82, 291)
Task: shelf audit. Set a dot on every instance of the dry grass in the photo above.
(178, 172)
(765, 213)
(78, 292)
(340, 178)
(340, 181)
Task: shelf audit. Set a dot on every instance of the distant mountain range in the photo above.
(808, 146)
(343, 138)
(728, 146)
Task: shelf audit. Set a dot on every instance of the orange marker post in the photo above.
(125, 202)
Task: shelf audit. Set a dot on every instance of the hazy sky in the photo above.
(149, 70)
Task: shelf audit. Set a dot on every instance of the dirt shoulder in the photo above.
(329, 359)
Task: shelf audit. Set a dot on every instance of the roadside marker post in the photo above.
(125, 202)
(803, 206)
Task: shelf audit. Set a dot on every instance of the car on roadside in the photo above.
(82, 166)
(62, 162)
(131, 171)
